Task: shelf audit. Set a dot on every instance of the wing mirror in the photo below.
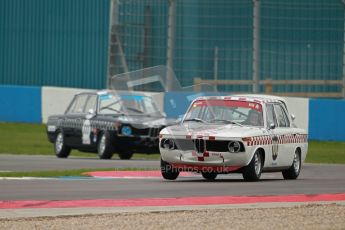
(272, 126)
(293, 117)
(91, 113)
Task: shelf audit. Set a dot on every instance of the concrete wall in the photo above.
(55, 100)
(300, 108)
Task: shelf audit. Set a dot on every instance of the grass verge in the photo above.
(31, 139)
(326, 152)
(63, 173)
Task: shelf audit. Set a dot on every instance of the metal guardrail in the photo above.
(268, 84)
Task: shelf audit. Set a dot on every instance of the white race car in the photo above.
(247, 134)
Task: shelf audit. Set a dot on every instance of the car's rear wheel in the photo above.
(252, 172)
(209, 175)
(125, 155)
(168, 172)
(60, 148)
(104, 148)
(293, 172)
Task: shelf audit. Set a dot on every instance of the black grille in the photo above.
(154, 132)
(217, 146)
(140, 132)
(201, 145)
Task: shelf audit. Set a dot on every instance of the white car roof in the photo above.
(261, 97)
(246, 97)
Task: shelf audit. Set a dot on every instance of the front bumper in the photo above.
(212, 159)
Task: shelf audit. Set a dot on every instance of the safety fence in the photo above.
(269, 86)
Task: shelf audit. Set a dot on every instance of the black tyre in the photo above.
(60, 148)
(104, 149)
(293, 172)
(168, 172)
(252, 172)
(209, 175)
(125, 155)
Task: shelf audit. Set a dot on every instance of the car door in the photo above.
(73, 120)
(283, 156)
(273, 150)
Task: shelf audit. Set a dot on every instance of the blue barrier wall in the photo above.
(327, 120)
(20, 104)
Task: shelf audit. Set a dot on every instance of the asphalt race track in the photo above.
(20, 163)
(314, 179)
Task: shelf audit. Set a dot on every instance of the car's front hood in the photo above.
(218, 130)
(146, 121)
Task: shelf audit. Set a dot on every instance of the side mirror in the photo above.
(272, 126)
(293, 117)
(91, 113)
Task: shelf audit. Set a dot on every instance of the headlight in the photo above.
(126, 130)
(234, 146)
(169, 144)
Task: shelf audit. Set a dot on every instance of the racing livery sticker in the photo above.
(275, 147)
(86, 131)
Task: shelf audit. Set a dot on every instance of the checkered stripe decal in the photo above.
(260, 140)
(282, 139)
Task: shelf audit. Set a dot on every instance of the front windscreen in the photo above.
(226, 111)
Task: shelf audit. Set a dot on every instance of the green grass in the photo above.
(63, 173)
(326, 152)
(31, 139)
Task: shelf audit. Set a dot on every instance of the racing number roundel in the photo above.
(275, 147)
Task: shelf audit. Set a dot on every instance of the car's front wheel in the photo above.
(252, 172)
(168, 172)
(293, 172)
(104, 148)
(209, 175)
(60, 148)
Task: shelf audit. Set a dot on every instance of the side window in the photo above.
(91, 103)
(282, 118)
(270, 115)
(77, 105)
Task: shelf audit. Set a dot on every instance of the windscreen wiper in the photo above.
(226, 121)
(195, 119)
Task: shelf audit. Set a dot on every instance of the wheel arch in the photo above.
(299, 149)
(262, 151)
(263, 154)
